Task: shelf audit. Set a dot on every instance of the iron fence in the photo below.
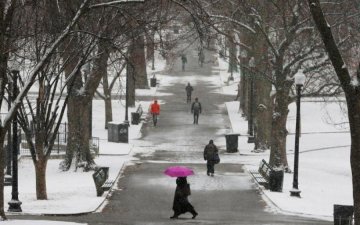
(60, 143)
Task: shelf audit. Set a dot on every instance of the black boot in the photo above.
(174, 216)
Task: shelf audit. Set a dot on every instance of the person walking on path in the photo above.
(184, 61)
(155, 111)
(209, 155)
(201, 57)
(181, 203)
(189, 89)
(196, 110)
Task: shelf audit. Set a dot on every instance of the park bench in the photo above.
(102, 183)
(136, 116)
(269, 177)
(262, 175)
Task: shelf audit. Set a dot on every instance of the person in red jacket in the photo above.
(155, 111)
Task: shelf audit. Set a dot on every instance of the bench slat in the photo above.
(100, 177)
(262, 176)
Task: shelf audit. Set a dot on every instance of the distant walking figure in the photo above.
(201, 57)
(184, 61)
(189, 89)
(181, 203)
(155, 111)
(196, 110)
(210, 153)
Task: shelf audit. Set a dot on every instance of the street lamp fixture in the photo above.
(15, 204)
(299, 82)
(251, 138)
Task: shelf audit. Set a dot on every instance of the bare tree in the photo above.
(350, 85)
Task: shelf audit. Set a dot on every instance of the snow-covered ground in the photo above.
(324, 175)
(324, 164)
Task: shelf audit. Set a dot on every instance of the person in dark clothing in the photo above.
(196, 110)
(189, 89)
(209, 155)
(184, 61)
(201, 57)
(181, 203)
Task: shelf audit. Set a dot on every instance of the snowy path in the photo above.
(144, 195)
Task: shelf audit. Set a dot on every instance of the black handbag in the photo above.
(216, 158)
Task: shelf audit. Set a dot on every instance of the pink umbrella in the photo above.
(178, 171)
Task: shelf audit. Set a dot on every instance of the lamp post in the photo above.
(251, 138)
(127, 94)
(299, 82)
(124, 127)
(8, 178)
(14, 204)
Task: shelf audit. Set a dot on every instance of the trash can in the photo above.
(276, 178)
(232, 142)
(135, 118)
(111, 131)
(118, 132)
(343, 214)
(153, 82)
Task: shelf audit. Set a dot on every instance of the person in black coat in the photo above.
(196, 110)
(189, 89)
(209, 155)
(181, 203)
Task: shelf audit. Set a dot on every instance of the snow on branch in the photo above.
(235, 21)
(42, 62)
(114, 3)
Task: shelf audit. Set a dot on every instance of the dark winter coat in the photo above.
(189, 89)
(181, 203)
(196, 107)
(209, 152)
(183, 59)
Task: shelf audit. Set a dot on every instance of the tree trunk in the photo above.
(150, 46)
(2, 163)
(130, 78)
(78, 124)
(263, 115)
(78, 140)
(262, 88)
(352, 93)
(131, 75)
(107, 100)
(244, 89)
(353, 105)
(139, 62)
(40, 172)
(232, 54)
(80, 97)
(278, 143)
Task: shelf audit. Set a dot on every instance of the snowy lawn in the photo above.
(66, 188)
(324, 166)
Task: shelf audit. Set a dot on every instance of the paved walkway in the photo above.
(144, 195)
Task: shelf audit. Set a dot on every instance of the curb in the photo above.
(276, 208)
